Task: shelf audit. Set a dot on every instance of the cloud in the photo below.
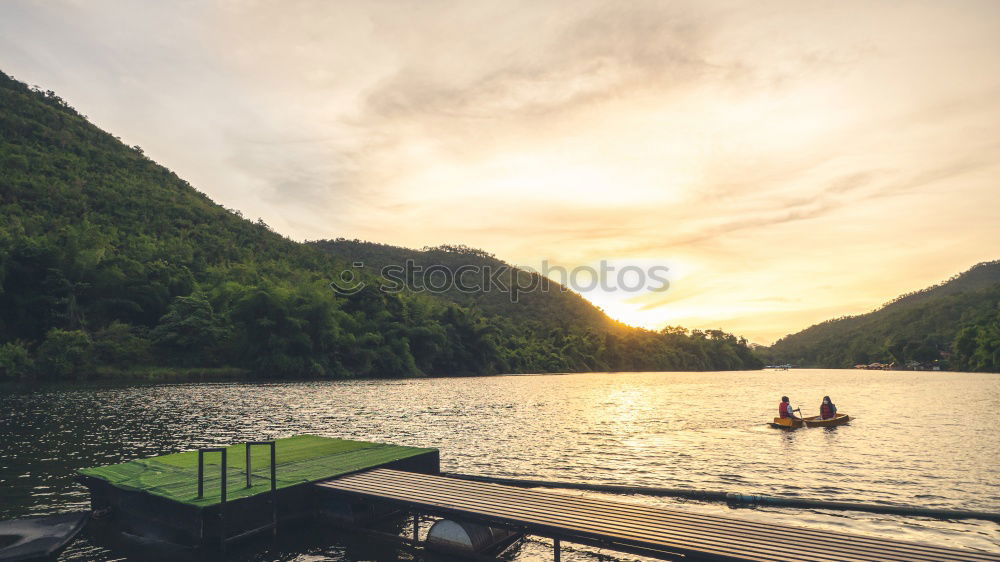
(587, 56)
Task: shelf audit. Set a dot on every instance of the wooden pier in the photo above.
(654, 532)
(212, 497)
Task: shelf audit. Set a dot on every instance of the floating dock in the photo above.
(183, 499)
(212, 497)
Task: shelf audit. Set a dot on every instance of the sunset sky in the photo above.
(789, 161)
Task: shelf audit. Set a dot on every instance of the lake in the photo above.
(918, 438)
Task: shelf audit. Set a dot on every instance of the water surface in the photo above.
(925, 439)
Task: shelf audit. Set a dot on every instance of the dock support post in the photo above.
(222, 505)
(248, 465)
(274, 492)
(274, 481)
(201, 473)
(556, 547)
(222, 488)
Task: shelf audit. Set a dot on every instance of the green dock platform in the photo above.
(157, 498)
(302, 459)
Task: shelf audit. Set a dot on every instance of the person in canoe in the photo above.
(785, 409)
(827, 410)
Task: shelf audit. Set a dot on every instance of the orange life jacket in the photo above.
(784, 410)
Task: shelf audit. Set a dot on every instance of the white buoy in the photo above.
(462, 536)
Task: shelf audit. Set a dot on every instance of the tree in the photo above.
(119, 344)
(188, 331)
(15, 361)
(65, 354)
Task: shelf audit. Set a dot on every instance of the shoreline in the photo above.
(109, 378)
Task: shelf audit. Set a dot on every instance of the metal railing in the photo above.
(274, 485)
(224, 539)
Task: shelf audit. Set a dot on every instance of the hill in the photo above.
(488, 284)
(111, 264)
(955, 323)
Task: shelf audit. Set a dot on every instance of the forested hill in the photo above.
(955, 324)
(111, 264)
(484, 282)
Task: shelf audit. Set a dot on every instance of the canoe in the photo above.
(786, 423)
(35, 538)
(815, 421)
(811, 421)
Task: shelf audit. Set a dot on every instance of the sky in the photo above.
(789, 162)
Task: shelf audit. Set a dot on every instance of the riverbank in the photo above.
(166, 374)
(171, 374)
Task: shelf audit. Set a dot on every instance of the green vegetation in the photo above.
(111, 265)
(300, 459)
(976, 347)
(954, 325)
(549, 305)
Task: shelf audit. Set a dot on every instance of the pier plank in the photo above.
(655, 530)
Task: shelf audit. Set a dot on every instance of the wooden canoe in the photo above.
(811, 421)
(815, 421)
